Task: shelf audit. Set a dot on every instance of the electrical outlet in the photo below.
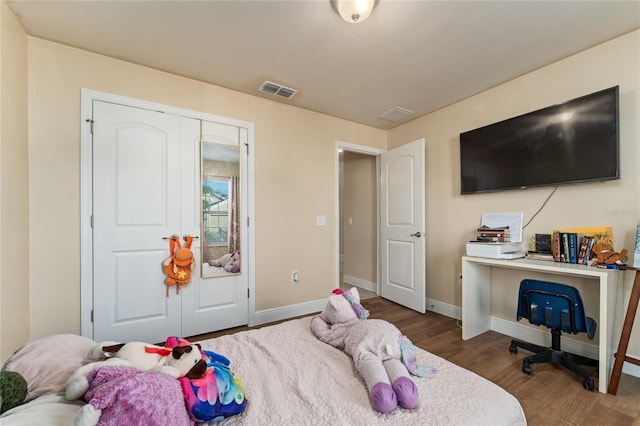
(295, 276)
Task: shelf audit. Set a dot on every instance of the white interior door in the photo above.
(402, 225)
(136, 202)
(146, 187)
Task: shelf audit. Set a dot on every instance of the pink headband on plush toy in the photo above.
(171, 343)
(174, 341)
(357, 307)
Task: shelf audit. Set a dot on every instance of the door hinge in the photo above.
(92, 315)
(248, 293)
(91, 220)
(248, 222)
(247, 146)
(90, 121)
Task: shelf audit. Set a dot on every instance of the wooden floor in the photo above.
(550, 396)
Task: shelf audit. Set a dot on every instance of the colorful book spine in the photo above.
(555, 238)
(592, 241)
(572, 239)
(584, 243)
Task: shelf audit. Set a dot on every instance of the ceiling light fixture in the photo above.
(353, 11)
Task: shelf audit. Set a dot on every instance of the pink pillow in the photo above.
(47, 363)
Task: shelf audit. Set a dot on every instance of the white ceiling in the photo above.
(418, 55)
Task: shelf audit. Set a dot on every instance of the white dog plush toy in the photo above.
(183, 360)
(383, 357)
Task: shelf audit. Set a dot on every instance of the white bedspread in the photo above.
(291, 378)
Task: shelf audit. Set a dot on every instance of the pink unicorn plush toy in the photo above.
(383, 357)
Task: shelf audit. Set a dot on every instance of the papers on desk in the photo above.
(511, 220)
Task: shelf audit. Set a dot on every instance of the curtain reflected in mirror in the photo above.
(220, 233)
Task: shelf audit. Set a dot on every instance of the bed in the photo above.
(291, 378)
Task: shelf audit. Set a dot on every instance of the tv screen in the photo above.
(573, 142)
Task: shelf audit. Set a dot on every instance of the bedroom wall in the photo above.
(14, 186)
(452, 218)
(294, 176)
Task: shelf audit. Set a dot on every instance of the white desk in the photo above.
(476, 299)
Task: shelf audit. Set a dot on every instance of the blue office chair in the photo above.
(559, 307)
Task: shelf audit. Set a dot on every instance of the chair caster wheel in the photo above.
(513, 349)
(588, 384)
(526, 368)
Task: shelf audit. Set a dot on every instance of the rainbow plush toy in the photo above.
(216, 395)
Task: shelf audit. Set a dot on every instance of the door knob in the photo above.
(417, 235)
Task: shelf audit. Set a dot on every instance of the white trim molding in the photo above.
(360, 283)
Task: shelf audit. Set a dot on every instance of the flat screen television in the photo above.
(576, 141)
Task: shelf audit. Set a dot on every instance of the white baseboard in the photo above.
(631, 369)
(445, 309)
(542, 336)
(290, 311)
(359, 282)
(508, 328)
(538, 337)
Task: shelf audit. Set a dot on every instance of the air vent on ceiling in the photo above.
(278, 90)
(396, 114)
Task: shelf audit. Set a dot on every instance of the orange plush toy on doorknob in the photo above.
(179, 264)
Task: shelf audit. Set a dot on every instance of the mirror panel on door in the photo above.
(220, 194)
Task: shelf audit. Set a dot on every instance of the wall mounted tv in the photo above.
(573, 142)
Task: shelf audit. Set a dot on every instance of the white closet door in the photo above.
(146, 187)
(136, 202)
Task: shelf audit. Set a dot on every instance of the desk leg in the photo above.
(476, 299)
(608, 310)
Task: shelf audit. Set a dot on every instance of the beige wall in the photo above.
(294, 178)
(452, 218)
(14, 186)
(294, 162)
(360, 204)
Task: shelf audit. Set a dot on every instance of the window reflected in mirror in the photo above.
(220, 233)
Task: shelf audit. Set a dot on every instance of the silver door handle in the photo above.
(184, 237)
(417, 235)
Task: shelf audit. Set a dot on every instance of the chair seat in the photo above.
(560, 308)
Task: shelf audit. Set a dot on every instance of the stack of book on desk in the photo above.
(493, 235)
(540, 248)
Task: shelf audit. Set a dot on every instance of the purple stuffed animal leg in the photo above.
(383, 398)
(406, 392)
(401, 383)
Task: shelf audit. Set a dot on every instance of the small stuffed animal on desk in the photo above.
(382, 356)
(606, 255)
